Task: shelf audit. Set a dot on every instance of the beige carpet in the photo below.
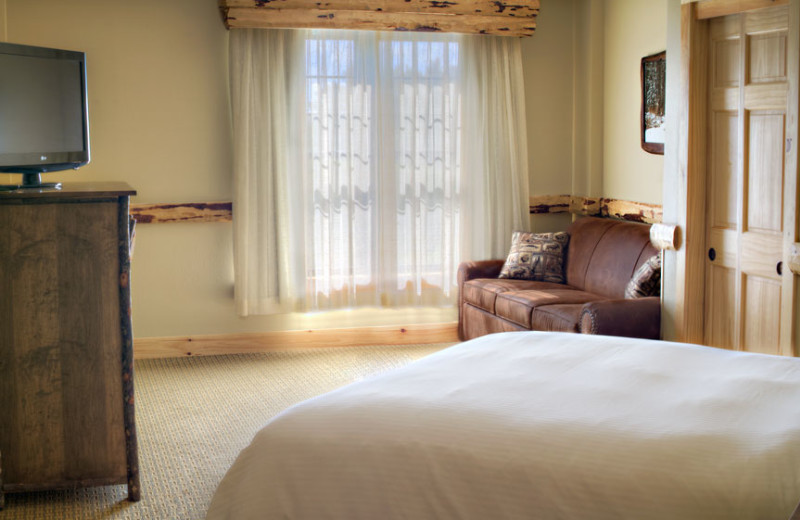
(194, 415)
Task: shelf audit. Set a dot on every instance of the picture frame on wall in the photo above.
(653, 75)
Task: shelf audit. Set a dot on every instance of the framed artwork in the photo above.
(653, 82)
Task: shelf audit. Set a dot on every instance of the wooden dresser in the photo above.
(66, 353)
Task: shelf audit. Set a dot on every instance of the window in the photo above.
(382, 158)
(367, 165)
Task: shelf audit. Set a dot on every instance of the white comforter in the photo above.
(536, 425)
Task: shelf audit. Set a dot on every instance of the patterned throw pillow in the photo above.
(646, 280)
(536, 256)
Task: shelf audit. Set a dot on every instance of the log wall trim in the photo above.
(543, 204)
(499, 17)
(599, 207)
(206, 345)
(185, 212)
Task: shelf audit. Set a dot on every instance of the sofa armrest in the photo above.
(480, 269)
(469, 271)
(635, 318)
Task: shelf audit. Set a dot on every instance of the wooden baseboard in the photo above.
(216, 344)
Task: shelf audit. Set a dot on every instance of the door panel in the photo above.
(764, 197)
(726, 62)
(745, 179)
(768, 58)
(721, 294)
(760, 253)
(725, 153)
(725, 243)
(761, 321)
(765, 97)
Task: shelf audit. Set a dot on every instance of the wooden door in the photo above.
(748, 90)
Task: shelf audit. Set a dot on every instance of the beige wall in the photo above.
(599, 69)
(157, 75)
(547, 60)
(157, 90)
(4, 178)
(633, 29)
(590, 51)
(2, 20)
(588, 135)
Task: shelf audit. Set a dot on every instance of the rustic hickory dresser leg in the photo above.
(2, 497)
(126, 326)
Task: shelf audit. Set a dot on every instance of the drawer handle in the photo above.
(779, 268)
(712, 254)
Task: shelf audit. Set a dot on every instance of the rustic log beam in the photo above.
(586, 206)
(598, 207)
(633, 211)
(185, 212)
(514, 9)
(542, 204)
(252, 18)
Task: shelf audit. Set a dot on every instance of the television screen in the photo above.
(43, 110)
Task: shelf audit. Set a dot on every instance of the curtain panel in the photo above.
(259, 98)
(495, 158)
(368, 165)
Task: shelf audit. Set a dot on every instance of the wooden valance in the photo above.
(499, 17)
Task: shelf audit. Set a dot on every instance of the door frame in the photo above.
(688, 312)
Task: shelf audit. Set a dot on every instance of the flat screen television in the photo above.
(44, 118)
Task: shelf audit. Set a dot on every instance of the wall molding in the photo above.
(285, 340)
(597, 206)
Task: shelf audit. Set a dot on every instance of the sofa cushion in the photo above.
(518, 306)
(478, 322)
(584, 235)
(646, 280)
(482, 292)
(536, 256)
(604, 254)
(558, 318)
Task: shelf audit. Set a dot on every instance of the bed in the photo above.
(536, 425)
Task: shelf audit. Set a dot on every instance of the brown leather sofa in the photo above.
(601, 258)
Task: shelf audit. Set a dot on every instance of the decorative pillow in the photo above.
(536, 256)
(646, 280)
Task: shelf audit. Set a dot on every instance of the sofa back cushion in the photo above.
(603, 254)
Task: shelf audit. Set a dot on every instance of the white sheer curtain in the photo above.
(380, 160)
(403, 157)
(495, 160)
(259, 96)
